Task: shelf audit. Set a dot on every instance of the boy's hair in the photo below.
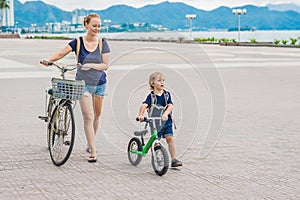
(152, 78)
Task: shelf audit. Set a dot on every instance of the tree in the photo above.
(3, 5)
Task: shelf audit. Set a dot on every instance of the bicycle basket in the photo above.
(67, 89)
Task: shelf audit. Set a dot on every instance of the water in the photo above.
(245, 36)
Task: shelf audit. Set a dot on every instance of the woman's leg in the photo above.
(98, 101)
(87, 110)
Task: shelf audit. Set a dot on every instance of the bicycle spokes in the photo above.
(61, 134)
(160, 160)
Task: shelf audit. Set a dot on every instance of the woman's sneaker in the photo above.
(176, 163)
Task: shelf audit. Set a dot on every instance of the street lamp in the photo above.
(190, 17)
(239, 12)
(107, 21)
(16, 27)
(33, 28)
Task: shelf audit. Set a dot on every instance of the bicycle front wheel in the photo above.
(50, 111)
(160, 160)
(61, 133)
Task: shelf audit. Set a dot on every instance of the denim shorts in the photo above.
(98, 90)
(167, 130)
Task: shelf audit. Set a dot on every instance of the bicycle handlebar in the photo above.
(149, 119)
(145, 119)
(63, 69)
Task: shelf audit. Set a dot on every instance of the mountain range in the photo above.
(284, 7)
(169, 15)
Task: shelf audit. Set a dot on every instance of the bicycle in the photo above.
(138, 149)
(59, 115)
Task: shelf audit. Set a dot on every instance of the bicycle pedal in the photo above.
(43, 118)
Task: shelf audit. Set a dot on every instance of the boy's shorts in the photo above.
(98, 90)
(167, 130)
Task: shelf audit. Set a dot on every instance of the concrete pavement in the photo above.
(250, 94)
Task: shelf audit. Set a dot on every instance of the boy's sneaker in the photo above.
(176, 163)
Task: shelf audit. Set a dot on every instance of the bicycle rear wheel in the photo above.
(61, 133)
(160, 160)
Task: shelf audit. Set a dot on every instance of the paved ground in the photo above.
(237, 112)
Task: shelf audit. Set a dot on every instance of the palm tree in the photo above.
(3, 5)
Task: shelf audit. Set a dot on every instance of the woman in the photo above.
(93, 73)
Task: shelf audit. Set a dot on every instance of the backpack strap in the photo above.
(78, 48)
(100, 45)
(166, 94)
(153, 98)
(100, 48)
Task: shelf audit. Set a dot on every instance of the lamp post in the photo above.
(239, 12)
(107, 21)
(190, 17)
(16, 27)
(33, 28)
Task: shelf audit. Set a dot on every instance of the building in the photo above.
(78, 16)
(8, 18)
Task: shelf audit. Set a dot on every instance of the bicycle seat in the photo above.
(139, 133)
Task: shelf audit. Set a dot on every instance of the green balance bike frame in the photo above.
(138, 149)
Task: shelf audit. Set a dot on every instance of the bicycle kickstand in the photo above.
(43, 118)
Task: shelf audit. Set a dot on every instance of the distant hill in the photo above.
(170, 15)
(284, 7)
(38, 12)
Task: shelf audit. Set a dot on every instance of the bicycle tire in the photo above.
(162, 160)
(61, 133)
(134, 144)
(51, 111)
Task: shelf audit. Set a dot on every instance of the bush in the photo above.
(212, 39)
(204, 40)
(223, 40)
(284, 42)
(200, 39)
(293, 41)
(276, 42)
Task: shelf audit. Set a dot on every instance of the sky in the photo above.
(70, 5)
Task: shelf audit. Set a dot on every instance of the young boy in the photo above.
(161, 97)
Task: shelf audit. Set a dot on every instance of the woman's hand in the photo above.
(85, 67)
(46, 63)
